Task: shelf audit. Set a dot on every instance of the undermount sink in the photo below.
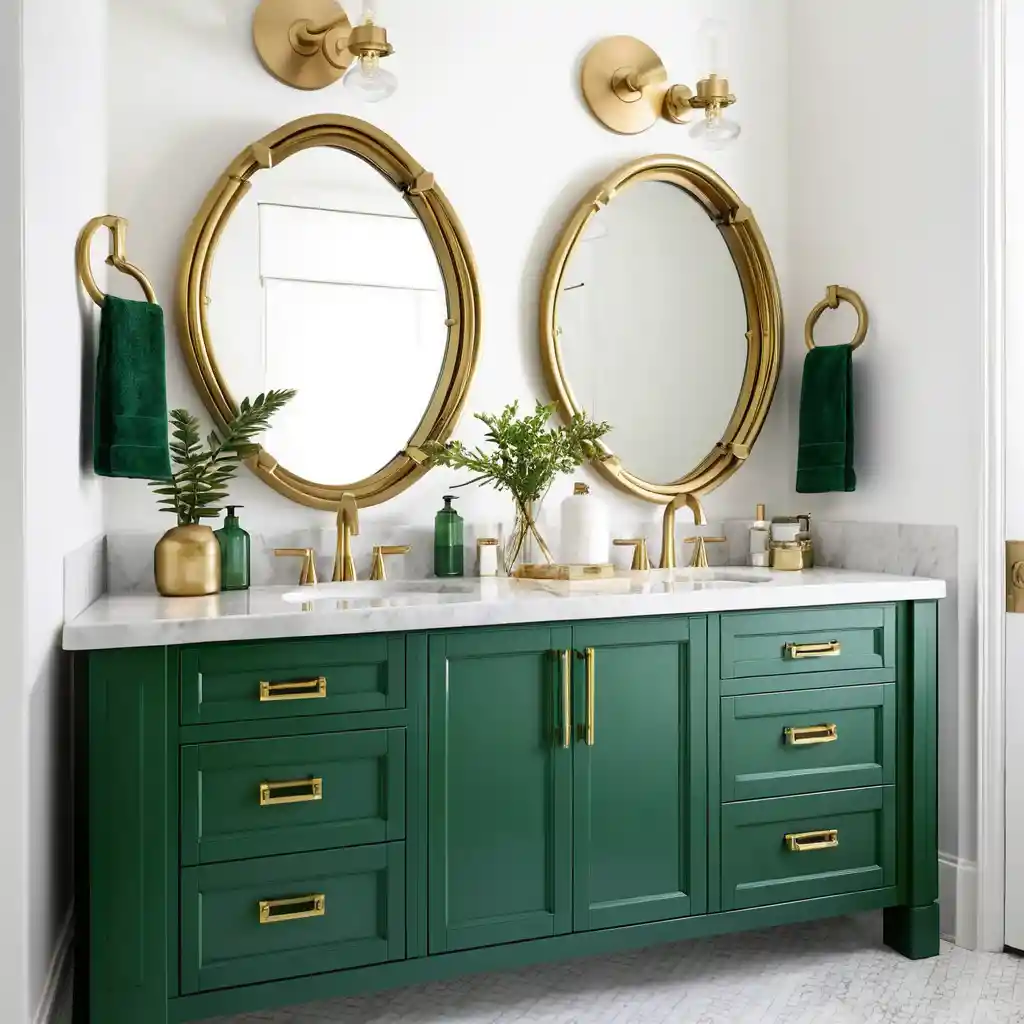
(407, 591)
(720, 578)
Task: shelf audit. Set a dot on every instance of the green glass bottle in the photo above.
(449, 552)
(235, 547)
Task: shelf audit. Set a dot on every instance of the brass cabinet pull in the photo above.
(313, 789)
(810, 735)
(587, 732)
(803, 842)
(276, 911)
(566, 699)
(796, 652)
(305, 689)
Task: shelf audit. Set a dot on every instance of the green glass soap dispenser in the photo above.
(449, 551)
(235, 547)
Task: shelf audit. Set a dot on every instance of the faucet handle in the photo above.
(380, 552)
(641, 560)
(308, 575)
(700, 551)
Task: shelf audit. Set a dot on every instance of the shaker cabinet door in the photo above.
(500, 787)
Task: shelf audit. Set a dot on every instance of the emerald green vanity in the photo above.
(272, 822)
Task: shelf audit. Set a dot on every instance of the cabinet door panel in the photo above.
(500, 789)
(640, 795)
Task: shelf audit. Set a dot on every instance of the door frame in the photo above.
(991, 598)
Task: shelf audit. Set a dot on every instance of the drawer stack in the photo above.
(808, 754)
(292, 810)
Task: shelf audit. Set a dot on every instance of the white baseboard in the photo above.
(958, 900)
(58, 978)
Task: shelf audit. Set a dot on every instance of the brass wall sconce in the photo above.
(626, 86)
(310, 44)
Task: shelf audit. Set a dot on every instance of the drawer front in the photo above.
(288, 917)
(808, 741)
(288, 679)
(760, 866)
(259, 798)
(768, 651)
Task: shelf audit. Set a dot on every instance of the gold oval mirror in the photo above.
(661, 314)
(327, 260)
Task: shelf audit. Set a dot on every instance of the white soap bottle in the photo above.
(585, 539)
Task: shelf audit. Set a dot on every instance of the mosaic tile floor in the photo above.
(836, 971)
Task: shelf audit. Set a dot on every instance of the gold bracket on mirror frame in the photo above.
(1015, 577)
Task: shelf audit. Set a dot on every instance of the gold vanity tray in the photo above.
(540, 571)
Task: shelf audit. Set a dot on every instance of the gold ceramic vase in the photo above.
(187, 562)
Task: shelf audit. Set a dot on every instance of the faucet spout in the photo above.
(668, 531)
(348, 527)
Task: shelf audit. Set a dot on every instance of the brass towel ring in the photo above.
(83, 251)
(833, 296)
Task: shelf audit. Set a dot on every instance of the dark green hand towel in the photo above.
(825, 458)
(130, 433)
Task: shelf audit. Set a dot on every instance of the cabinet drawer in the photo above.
(766, 651)
(761, 866)
(287, 917)
(288, 679)
(808, 741)
(258, 798)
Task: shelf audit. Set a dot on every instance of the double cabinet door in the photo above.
(566, 779)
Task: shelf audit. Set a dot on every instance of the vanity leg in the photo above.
(912, 931)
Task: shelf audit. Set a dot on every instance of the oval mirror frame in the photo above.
(764, 320)
(455, 259)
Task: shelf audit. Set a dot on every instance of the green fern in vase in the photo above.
(202, 474)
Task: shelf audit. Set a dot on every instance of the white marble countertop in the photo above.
(338, 609)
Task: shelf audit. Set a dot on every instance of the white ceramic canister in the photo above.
(585, 539)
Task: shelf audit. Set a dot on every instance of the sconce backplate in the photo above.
(273, 32)
(605, 69)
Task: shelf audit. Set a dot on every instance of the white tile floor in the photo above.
(836, 971)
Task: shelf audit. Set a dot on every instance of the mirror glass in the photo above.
(324, 280)
(652, 329)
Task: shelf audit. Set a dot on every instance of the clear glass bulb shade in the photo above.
(371, 12)
(713, 48)
(715, 131)
(369, 81)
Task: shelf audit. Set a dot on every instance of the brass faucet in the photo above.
(348, 527)
(668, 531)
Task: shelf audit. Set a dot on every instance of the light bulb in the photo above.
(371, 12)
(713, 44)
(715, 131)
(368, 80)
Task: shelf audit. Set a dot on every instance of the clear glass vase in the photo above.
(526, 544)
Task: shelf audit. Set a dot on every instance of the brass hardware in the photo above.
(589, 657)
(458, 270)
(833, 296)
(810, 735)
(566, 699)
(1015, 577)
(187, 562)
(641, 560)
(314, 790)
(348, 527)
(565, 573)
(625, 85)
(699, 560)
(380, 552)
(668, 527)
(304, 689)
(791, 555)
(803, 842)
(276, 911)
(798, 652)
(307, 576)
(763, 339)
(118, 228)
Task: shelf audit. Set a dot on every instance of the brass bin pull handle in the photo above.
(304, 689)
(804, 842)
(276, 911)
(566, 699)
(798, 652)
(273, 794)
(810, 735)
(589, 657)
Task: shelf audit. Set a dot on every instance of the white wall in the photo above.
(503, 128)
(886, 193)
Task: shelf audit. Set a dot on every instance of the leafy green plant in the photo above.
(202, 474)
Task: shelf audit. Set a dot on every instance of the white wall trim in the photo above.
(958, 900)
(991, 673)
(58, 977)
